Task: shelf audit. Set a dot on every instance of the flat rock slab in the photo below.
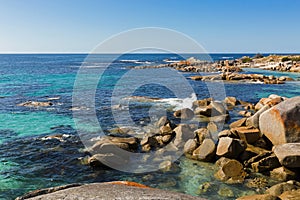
(107, 191)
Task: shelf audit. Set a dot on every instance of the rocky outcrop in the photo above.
(36, 104)
(281, 123)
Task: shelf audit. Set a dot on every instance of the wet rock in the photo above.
(238, 123)
(231, 171)
(107, 160)
(253, 121)
(288, 154)
(184, 114)
(247, 134)
(190, 146)
(283, 174)
(280, 188)
(229, 147)
(225, 192)
(206, 151)
(259, 197)
(204, 187)
(36, 104)
(107, 143)
(281, 123)
(266, 164)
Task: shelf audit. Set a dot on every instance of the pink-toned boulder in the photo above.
(281, 123)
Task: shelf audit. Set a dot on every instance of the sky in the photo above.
(66, 26)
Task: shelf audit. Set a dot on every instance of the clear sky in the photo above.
(79, 25)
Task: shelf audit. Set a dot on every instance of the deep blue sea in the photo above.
(28, 161)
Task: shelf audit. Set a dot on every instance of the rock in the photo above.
(229, 147)
(206, 151)
(168, 166)
(166, 138)
(183, 134)
(201, 134)
(257, 182)
(231, 171)
(218, 108)
(258, 158)
(250, 152)
(146, 148)
(258, 197)
(190, 146)
(225, 192)
(162, 121)
(245, 113)
(290, 195)
(266, 164)
(280, 188)
(110, 190)
(281, 123)
(247, 134)
(36, 104)
(184, 114)
(288, 154)
(166, 130)
(202, 103)
(254, 120)
(212, 128)
(227, 133)
(283, 174)
(108, 159)
(238, 123)
(231, 101)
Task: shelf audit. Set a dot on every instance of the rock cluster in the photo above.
(243, 77)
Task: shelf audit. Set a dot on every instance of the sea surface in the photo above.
(28, 160)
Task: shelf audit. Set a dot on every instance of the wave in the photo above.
(180, 103)
(136, 61)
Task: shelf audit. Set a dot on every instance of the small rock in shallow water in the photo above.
(225, 192)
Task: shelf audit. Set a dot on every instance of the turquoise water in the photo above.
(28, 162)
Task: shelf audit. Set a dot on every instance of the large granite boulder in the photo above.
(230, 148)
(281, 123)
(288, 154)
(230, 171)
(206, 151)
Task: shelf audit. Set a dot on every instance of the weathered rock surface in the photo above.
(288, 154)
(284, 174)
(113, 190)
(281, 123)
(280, 188)
(206, 151)
(229, 147)
(259, 197)
(184, 114)
(290, 195)
(231, 171)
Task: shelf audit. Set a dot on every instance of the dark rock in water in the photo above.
(184, 114)
(288, 154)
(230, 148)
(284, 174)
(281, 123)
(231, 171)
(110, 190)
(206, 151)
(280, 188)
(259, 197)
(107, 160)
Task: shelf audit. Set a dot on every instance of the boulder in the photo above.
(108, 159)
(247, 134)
(212, 128)
(290, 195)
(254, 120)
(238, 123)
(206, 151)
(183, 134)
(258, 197)
(280, 188)
(162, 121)
(231, 101)
(190, 146)
(229, 147)
(266, 164)
(231, 171)
(281, 123)
(283, 174)
(288, 154)
(201, 134)
(166, 129)
(184, 114)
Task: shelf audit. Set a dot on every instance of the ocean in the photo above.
(29, 161)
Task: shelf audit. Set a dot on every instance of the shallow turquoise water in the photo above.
(27, 162)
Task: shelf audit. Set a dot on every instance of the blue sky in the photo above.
(219, 26)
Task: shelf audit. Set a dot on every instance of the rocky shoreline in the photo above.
(265, 140)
